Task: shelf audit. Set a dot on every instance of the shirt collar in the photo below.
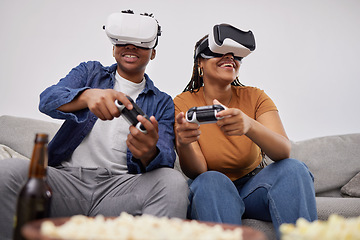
(149, 86)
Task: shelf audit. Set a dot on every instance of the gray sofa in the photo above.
(333, 160)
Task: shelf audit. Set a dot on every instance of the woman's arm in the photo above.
(266, 131)
(269, 134)
(192, 161)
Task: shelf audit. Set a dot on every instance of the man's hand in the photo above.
(99, 101)
(143, 146)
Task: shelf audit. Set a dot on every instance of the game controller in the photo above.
(204, 114)
(130, 115)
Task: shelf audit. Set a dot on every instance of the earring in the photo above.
(201, 72)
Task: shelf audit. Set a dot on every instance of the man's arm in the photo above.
(99, 101)
(165, 154)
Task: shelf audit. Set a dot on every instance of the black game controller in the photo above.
(130, 115)
(204, 114)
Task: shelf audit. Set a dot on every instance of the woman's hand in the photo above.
(192, 161)
(233, 122)
(186, 132)
(266, 131)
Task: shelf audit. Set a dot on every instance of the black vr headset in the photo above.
(224, 39)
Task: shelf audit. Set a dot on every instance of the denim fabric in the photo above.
(282, 192)
(78, 124)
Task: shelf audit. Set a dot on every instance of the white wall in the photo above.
(306, 59)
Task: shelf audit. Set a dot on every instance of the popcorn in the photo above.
(335, 228)
(126, 227)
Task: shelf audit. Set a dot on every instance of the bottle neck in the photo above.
(39, 159)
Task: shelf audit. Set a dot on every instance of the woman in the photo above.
(225, 160)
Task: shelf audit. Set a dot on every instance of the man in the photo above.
(98, 164)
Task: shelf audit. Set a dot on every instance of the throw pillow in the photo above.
(352, 188)
(6, 152)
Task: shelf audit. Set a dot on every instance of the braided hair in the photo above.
(196, 81)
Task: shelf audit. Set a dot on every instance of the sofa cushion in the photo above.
(347, 207)
(266, 227)
(19, 133)
(352, 188)
(333, 160)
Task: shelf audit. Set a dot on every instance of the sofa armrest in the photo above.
(333, 160)
(19, 133)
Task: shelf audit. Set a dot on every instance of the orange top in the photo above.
(234, 156)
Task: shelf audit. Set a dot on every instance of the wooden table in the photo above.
(31, 231)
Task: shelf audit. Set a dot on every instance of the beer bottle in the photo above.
(35, 196)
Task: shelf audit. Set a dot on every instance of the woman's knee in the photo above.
(214, 190)
(288, 169)
(211, 181)
(292, 167)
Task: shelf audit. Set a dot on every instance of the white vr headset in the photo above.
(128, 28)
(223, 39)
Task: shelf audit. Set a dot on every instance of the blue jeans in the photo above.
(282, 192)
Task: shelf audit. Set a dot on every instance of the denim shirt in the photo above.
(78, 124)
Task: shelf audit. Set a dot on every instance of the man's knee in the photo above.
(13, 174)
(172, 191)
(13, 170)
(172, 181)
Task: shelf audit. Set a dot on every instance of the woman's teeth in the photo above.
(226, 65)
